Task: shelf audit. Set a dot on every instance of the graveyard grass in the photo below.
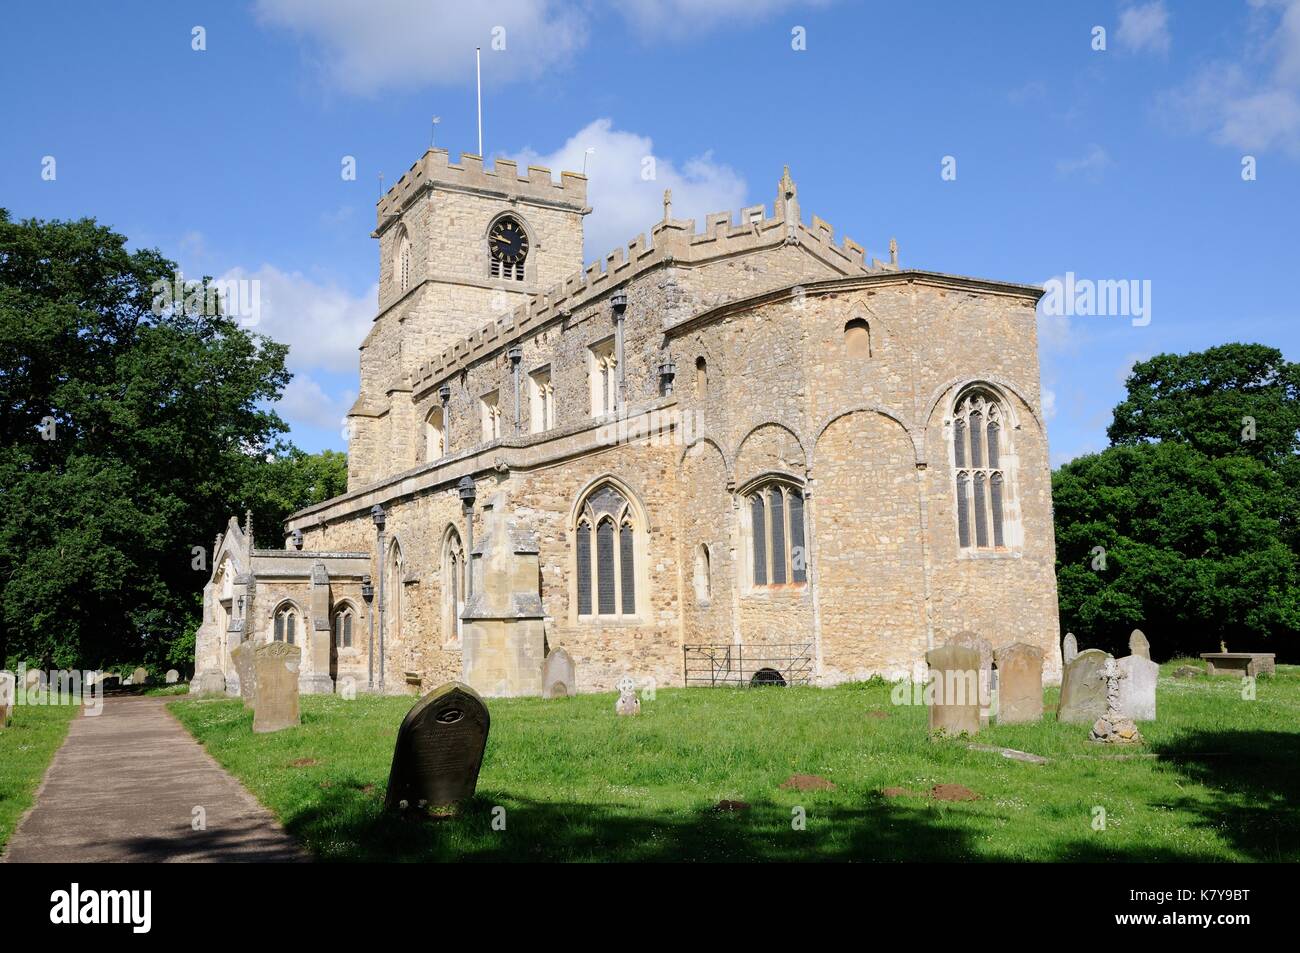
(27, 746)
(1218, 779)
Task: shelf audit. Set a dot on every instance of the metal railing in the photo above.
(745, 665)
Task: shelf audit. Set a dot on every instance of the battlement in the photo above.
(502, 180)
(674, 242)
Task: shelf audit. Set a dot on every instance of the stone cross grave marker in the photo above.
(439, 749)
(8, 696)
(1115, 726)
(952, 693)
(558, 675)
(628, 703)
(1020, 683)
(276, 705)
(1083, 693)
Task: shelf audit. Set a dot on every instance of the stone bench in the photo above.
(1238, 663)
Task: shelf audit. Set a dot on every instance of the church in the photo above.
(727, 454)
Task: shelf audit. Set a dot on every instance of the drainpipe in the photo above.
(618, 301)
(380, 518)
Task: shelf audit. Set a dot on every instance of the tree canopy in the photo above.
(131, 432)
(1186, 526)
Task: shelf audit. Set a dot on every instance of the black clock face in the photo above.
(508, 242)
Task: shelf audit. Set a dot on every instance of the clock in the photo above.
(508, 243)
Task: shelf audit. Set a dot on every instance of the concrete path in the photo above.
(124, 787)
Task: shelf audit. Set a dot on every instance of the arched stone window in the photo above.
(607, 548)
(777, 548)
(435, 435)
(701, 377)
(345, 621)
(395, 591)
(857, 338)
(978, 453)
(285, 623)
(507, 248)
(453, 586)
(402, 262)
(703, 575)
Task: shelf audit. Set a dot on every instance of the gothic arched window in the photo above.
(778, 553)
(978, 450)
(286, 624)
(606, 548)
(857, 338)
(435, 435)
(453, 586)
(507, 249)
(344, 622)
(402, 262)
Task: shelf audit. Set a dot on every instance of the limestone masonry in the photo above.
(744, 451)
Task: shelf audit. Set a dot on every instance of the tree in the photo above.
(1186, 525)
(130, 430)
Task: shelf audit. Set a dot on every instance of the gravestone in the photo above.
(127, 681)
(1069, 648)
(628, 703)
(276, 665)
(1083, 691)
(173, 676)
(1114, 726)
(35, 678)
(558, 675)
(242, 656)
(952, 693)
(1137, 687)
(1138, 645)
(140, 677)
(8, 697)
(439, 749)
(985, 648)
(1020, 683)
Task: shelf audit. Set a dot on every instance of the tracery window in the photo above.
(978, 451)
(778, 554)
(286, 624)
(606, 544)
(343, 624)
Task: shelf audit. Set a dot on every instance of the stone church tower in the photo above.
(731, 450)
(441, 274)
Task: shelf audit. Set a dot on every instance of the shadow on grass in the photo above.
(347, 824)
(1257, 775)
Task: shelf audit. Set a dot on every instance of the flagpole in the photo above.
(478, 72)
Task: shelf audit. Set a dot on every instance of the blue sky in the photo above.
(1117, 164)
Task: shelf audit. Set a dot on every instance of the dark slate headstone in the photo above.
(558, 675)
(1083, 690)
(439, 749)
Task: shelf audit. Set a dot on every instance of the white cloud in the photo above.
(365, 47)
(1090, 165)
(684, 17)
(323, 324)
(1144, 27)
(305, 403)
(1252, 104)
(1049, 402)
(625, 203)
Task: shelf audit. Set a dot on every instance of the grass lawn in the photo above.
(1219, 779)
(26, 747)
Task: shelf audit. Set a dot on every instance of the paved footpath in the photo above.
(124, 787)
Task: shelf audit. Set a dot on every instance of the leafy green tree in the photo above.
(1187, 525)
(131, 431)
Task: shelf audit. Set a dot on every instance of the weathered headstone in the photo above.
(439, 749)
(628, 703)
(1069, 648)
(140, 677)
(173, 676)
(1114, 726)
(242, 656)
(1020, 683)
(1083, 692)
(35, 678)
(952, 692)
(1138, 644)
(276, 705)
(8, 696)
(1137, 687)
(558, 675)
(985, 648)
